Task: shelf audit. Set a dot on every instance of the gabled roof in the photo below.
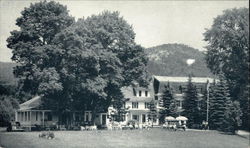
(35, 102)
(128, 93)
(183, 79)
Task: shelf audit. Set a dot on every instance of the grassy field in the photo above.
(155, 138)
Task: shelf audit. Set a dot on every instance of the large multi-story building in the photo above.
(178, 86)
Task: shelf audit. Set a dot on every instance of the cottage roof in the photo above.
(183, 79)
(31, 104)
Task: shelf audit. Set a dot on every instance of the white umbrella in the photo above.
(182, 118)
(169, 118)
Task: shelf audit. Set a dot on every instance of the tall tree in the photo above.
(38, 25)
(224, 114)
(227, 51)
(152, 113)
(190, 105)
(167, 103)
(80, 66)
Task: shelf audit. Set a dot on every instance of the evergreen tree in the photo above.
(203, 107)
(152, 114)
(190, 105)
(245, 106)
(167, 103)
(211, 108)
(224, 114)
(236, 114)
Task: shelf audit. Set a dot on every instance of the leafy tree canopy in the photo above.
(228, 44)
(79, 65)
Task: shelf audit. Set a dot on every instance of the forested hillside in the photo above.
(170, 60)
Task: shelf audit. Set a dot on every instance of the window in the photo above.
(180, 103)
(180, 89)
(134, 92)
(146, 93)
(146, 105)
(156, 97)
(134, 104)
(136, 117)
(143, 118)
(87, 117)
(139, 92)
(123, 117)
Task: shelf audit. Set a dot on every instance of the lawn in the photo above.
(155, 138)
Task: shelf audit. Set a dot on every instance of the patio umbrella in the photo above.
(182, 118)
(170, 118)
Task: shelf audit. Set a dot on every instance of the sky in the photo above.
(154, 22)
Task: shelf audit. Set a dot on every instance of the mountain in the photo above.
(6, 73)
(171, 60)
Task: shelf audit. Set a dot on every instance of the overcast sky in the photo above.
(154, 22)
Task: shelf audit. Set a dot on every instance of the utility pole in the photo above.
(207, 102)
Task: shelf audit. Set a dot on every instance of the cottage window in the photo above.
(139, 93)
(134, 104)
(146, 93)
(146, 105)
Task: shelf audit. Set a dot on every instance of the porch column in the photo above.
(100, 119)
(30, 119)
(43, 118)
